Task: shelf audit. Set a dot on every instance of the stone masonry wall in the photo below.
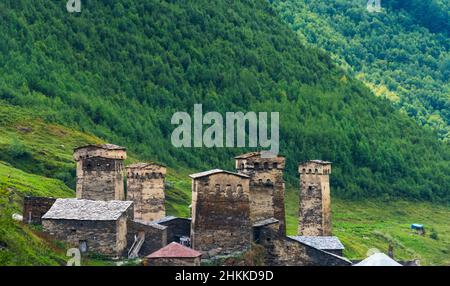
(145, 187)
(315, 201)
(177, 228)
(267, 187)
(35, 207)
(100, 179)
(220, 214)
(283, 251)
(104, 237)
(155, 237)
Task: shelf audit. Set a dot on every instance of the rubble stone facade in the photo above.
(315, 201)
(104, 237)
(155, 236)
(176, 228)
(145, 187)
(100, 172)
(220, 212)
(35, 207)
(284, 251)
(267, 186)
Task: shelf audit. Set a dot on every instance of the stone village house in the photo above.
(96, 226)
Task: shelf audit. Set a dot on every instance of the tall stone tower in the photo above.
(220, 212)
(100, 171)
(145, 187)
(267, 186)
(315, 201)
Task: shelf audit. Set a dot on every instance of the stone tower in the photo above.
(315, 201)
(100, 172)
(267, 186)
(145, 187)
(220, 212)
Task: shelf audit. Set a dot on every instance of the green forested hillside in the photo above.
(120, 69)
(402, 53)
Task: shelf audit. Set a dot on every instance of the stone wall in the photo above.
(267, 187)
(103, 237)
(220, 214)
(145, 187)
(35, 207)
(155, 236)
(283, 251)
(188, 261)
(100, 179)
(177, 228)
(315, 201)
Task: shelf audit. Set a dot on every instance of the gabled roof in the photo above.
(215, 171)
(378, 259)
(175, 250)
(320, 242)
(74, 209)
(102, 146)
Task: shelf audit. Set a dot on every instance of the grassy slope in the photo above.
(363, 225)
(360, 225)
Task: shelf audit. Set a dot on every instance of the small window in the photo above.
(217, 188)
(83, 246)
(266, 166)
(317, 171)
(242, 166)
(256, 166)
(275, 165)
(309, 171)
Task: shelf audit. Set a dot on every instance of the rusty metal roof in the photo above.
(175, 250)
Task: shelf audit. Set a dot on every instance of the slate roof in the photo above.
(74, 209)
(151, 223)
(251, 154)
(317, 162)
(265, 222)
(102, 146)
(215, 171)
(378, 259)
(169, 218)
(247, 155)
(320, 242)
(175, 250)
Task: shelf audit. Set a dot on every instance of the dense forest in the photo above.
(120, 69)
(401, 53)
